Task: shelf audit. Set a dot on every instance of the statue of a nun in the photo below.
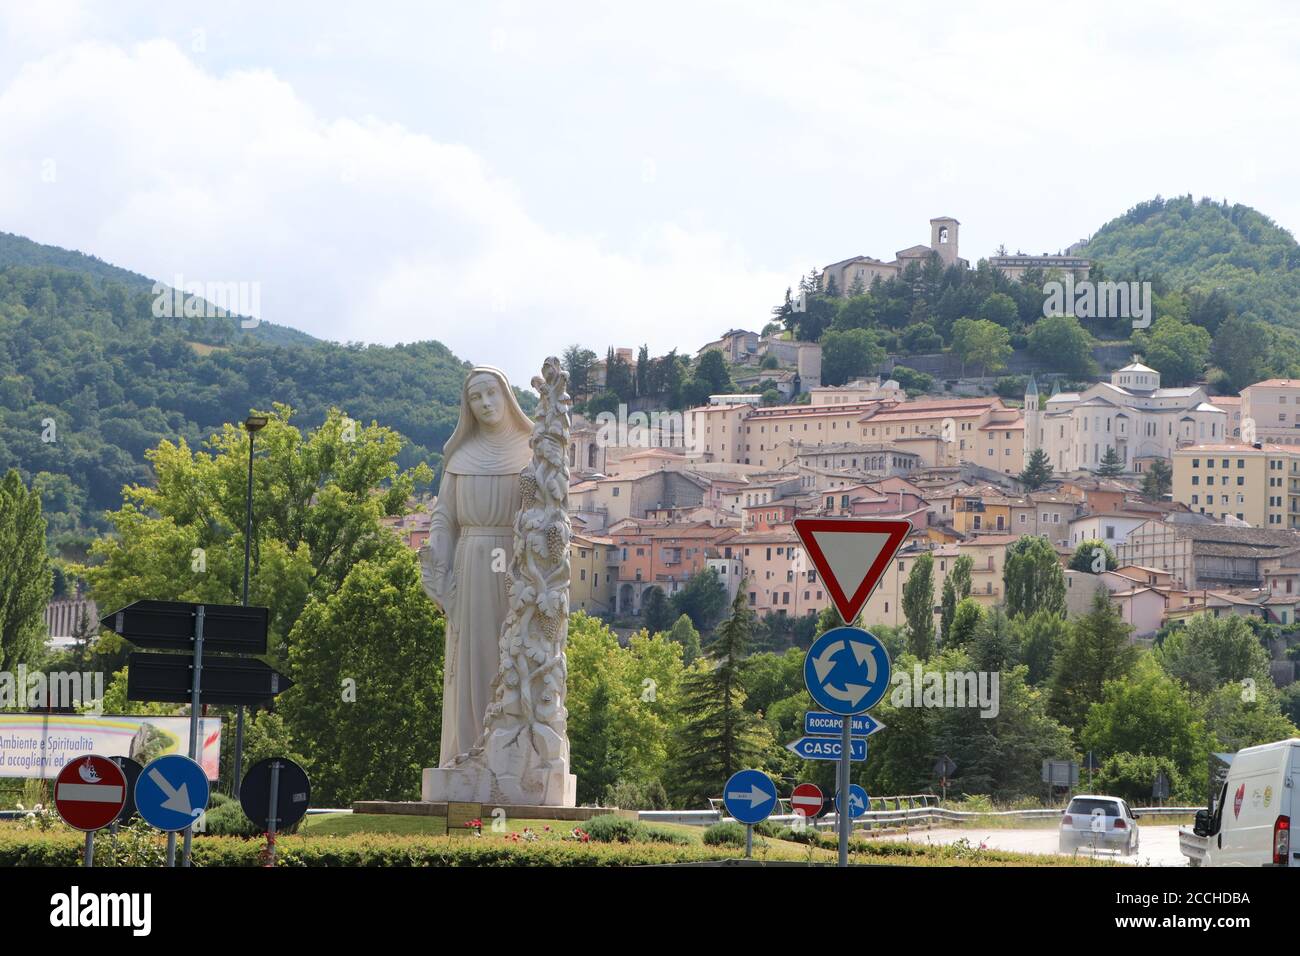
(470, 542)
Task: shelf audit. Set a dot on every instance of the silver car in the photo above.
(1100, 823)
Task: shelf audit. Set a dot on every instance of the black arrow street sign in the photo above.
(170, 625)
(226, 680)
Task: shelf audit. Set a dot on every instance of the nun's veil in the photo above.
(473, 451)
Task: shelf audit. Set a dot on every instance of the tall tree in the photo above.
(1241, 349)
(718, 735)
(1060, 342)
(1038, 470)
(656, 611)
(577, 362)
(1110, 464)
(966, 622)
(684, 633)
(1208, 652)
(1177, 350)
(1158, 480)
(1032, 578)
(956, 588)
(918, 607)
(26, 579)
(623, 706)
(981, 342)
(366, 704)
(1097, 650)
(318, 501)
(849, 354)
(947, 608)
(643, 371)
(1085, 557)
(703, 599)
(712, 377)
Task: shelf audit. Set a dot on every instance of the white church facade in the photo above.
(1131, 413)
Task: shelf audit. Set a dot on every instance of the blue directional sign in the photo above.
(827, 748)
(828, 725)
(847, 670)
(171, 793)
(750, 796)
(858, 802)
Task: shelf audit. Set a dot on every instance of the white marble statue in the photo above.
(497, 562)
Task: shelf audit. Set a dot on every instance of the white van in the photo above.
(1250, 824)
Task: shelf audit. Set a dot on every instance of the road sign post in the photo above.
(194, 712)
(808, 800)
(750, 797)
(847, 669)
(844, 820)
(171, 792)
(828, 748)
(275, 794)
(89, 794)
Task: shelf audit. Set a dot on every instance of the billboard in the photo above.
(38, 745)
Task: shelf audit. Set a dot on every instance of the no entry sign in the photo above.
(90, 792)
(807, 798)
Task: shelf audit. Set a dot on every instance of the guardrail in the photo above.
(914, 816)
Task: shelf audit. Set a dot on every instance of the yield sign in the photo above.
(851, 555)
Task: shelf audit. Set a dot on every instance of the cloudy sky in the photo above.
(511, 177)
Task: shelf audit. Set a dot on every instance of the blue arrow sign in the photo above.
(858, 802)
(750, 796)
(828, 725)
(171, 793)
(846, 670)
(827, 748)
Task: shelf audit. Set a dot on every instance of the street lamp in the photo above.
(252, 424)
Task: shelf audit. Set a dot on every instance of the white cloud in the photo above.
(355, 228)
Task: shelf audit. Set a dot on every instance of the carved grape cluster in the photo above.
(528, 488)
(554, 542)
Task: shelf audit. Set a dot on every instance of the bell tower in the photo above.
(1031, 418)
(943, 238)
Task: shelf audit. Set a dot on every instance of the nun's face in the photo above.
(486, 400)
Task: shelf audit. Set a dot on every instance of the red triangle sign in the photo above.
(851, 555)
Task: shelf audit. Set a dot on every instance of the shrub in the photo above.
(1131, 776)
(225, 817)
(729, 833)
(911, 380)
(665, 835)
(805, 835)
(1011, 386)
(611, 828)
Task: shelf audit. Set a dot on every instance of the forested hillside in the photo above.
(1206, 245)
(20, 251)
(90, 379)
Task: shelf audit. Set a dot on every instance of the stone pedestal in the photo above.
(476, 784)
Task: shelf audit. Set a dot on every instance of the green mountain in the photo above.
(90, 379)
(1203, 246)
(21, 251)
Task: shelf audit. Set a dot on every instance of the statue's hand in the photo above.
(433, 575)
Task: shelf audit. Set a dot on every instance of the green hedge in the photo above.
(18, 848)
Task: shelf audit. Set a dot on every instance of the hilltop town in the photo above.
(1121, 461)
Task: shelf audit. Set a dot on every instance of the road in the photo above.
(1157, 845)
